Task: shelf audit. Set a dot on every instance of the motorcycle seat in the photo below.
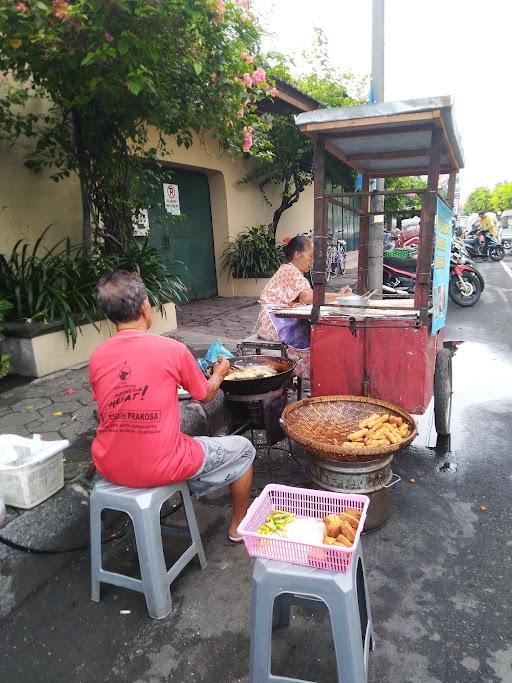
(408, 264)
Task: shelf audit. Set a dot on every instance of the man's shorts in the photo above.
(227, 458)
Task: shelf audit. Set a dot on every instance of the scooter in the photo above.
(464, 287)
(399, 275)
(491, 248)
(460, 254)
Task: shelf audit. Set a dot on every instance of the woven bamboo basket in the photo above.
(322, 424)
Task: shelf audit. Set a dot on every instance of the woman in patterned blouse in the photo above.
(287, 288)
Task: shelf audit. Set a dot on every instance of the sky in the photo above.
(460, 48)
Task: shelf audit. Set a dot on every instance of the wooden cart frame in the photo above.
(411, 138)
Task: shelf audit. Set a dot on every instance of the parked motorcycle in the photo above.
(491, 248)
(460, 253)
(464, 289)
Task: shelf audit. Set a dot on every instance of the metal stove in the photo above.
(256, 411)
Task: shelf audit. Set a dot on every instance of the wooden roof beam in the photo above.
(394, 154)
(397, 130)
(369, 121)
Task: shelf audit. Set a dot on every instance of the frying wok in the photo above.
(259, 385)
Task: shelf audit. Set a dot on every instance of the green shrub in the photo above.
(59, 284)
(252, 253)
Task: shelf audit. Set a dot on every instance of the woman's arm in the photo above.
(306, 296)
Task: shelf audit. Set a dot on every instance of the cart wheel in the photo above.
(443, 392)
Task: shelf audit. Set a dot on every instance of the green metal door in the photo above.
(187, 237)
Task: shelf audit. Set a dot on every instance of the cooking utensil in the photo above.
(259, 385)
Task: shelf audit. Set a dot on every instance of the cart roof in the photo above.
(389, 138)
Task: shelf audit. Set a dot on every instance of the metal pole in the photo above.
(376, 228)
(320, 229)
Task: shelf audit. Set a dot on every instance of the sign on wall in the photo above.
(172, 199)
(441, 276)
(140, 222)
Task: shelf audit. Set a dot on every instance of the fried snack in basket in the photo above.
(347, 531)
(344, 541)
(369, 422)
(357, 436)
(329, 540)
(378, 431)
(350, 518)
(332, 525)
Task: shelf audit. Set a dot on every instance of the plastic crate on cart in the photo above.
(302, 503)
(399, 253)
(30, 470)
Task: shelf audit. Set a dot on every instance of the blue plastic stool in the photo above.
(143, 506)
(346, 597)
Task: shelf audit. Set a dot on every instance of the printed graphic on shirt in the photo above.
(125, 371)
(120, 416)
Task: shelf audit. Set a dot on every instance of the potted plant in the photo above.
(252, 254)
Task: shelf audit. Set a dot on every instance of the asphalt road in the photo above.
(439, 573)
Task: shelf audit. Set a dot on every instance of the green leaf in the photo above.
(198, 68)
(123, 46)
(89, 58)
(135, 86)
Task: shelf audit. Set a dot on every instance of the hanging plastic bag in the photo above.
(215, 350)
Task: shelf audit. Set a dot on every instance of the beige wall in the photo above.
(29, 202)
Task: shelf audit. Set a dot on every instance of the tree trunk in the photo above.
(287, 200)
(82, 175)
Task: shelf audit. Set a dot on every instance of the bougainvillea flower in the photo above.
(109, 37)
(247, 142)
(258, 76)
(247, 79)
(21, 7)
(273, 92)
(243, 3)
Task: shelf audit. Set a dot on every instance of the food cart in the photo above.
(388, 349)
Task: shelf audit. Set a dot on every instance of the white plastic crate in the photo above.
(30, 470)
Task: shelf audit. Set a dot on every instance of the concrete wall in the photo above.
(46, 353)
(29, 202)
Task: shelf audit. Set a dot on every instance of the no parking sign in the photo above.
(171, 199)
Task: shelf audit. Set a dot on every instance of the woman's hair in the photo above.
(298, 243)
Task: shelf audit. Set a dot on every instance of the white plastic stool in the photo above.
(346, 597)
(143, 506)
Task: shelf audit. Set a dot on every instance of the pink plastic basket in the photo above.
(303, 503)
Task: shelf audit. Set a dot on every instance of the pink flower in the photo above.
(247, 142)
(273, 92)
(247, 80)
(258, 76)
(286, 240)
(213, 77)
(241, 113)
(243, 3)
(109, 37)
(60, 9)
(247, 57)
(220, 8)
(247, 102)
(21, 7)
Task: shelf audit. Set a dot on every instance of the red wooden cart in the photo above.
(388, 349)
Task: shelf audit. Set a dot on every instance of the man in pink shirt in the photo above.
(134, 377)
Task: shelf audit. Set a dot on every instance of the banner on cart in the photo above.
(441, 277)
